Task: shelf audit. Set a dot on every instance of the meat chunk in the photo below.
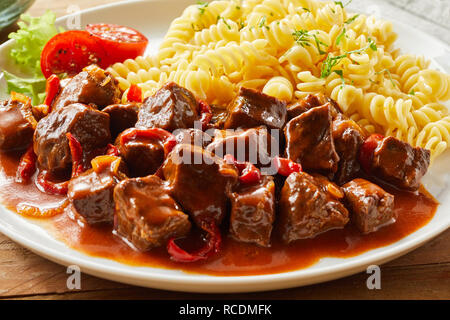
(309, 205)
(253, 212)
(301, 106)
(171, 107)
(309, 140)
(348, 138)
(254, 145)
(147, 216)
(192, 136)
(370, 206)
(143, 156)
(91, 86)
(17, 125)
(91, 193)
(200, 182)
(219, 116)
(121, 117)
(88, 125)
(252, 108)
(399, 163)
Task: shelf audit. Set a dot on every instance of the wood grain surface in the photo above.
(421, 274)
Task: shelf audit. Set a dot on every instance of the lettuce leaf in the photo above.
(31, 87)
(31, 38)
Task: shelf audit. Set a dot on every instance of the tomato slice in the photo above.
(121, 43)
(69, 52)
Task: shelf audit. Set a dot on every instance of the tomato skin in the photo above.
(70, 51)
(134, 94)
(367, 149)
(121, 43)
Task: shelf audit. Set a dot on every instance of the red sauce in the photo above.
(414, 211)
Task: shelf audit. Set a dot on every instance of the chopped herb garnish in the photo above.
(306, 9)
(340, 37)
(272, 14)
(329, 64)
(340, 73)
(412, 92)
(302, 37)
(389, 75)
(262, 23)
(238, 8)
(372, 45)
(339, 3)
(318, 43)
(352, 19)
(224, 21)
(202, 5)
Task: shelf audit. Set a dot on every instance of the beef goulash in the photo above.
(175, 177)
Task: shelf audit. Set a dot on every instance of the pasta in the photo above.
(291, 48)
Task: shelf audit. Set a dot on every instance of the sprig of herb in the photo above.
(389, 75)
(340, 73)
(341, 36)
(339, 3)
(301, 37)
(202, 5)
(262, 23)
(318, 43)
(306, 9)
(412, 92)
(224, 21)
(331, 62)
(352, 19)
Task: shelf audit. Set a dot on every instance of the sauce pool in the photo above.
(414, 210)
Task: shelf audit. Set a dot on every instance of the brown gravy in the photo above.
(236, 259)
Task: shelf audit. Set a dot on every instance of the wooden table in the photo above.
(421, 274)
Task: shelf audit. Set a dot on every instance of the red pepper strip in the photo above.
(111, 150)
(367, 149)
(212, 245)
(51, 89)
(286, 166)
(134, 93)
(206, 113)
(27, 166)
(166, 137)
(47, 186)
(248, 173)
(76, 151)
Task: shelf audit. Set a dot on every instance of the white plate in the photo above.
(153, 18)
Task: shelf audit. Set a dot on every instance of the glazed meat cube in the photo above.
(147, 216)
(91, 86)
(254, 145)
(309, 140)
(192, 136)
(17, 125)
(91, 193)
(252, 108)
(121, 117)
(253, 212)
(219, 116)
(200, 182)
(399, 163)
(370, 206)
(309, 205)
(88, 125)
(300, 106)
(348, 138)
(171, 107)
(143, 156)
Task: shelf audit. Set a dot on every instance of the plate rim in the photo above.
(206, 283)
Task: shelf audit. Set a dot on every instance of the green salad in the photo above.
(30, 39)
